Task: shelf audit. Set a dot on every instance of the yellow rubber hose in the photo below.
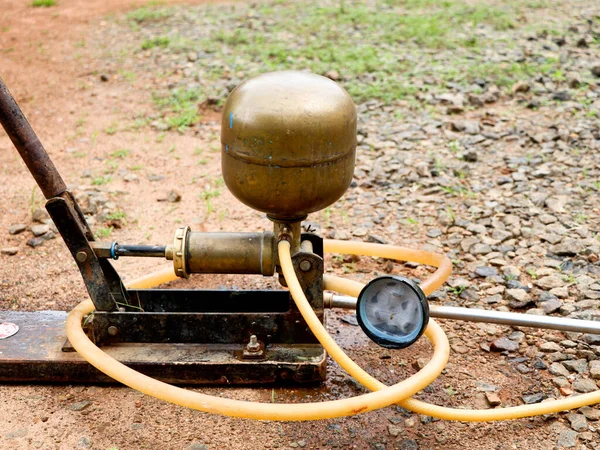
(439, 277)
(154, 279)
(353, 288)
(253, 410)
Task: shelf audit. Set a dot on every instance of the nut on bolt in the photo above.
(254, 349)
(253, 346)
(305, 265)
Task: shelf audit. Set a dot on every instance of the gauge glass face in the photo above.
(391, 311)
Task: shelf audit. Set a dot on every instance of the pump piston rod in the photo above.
(482, 315)
(114, 250)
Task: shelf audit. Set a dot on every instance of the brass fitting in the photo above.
(179, 251)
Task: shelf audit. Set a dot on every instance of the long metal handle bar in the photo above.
(29, 146)
(482, 315)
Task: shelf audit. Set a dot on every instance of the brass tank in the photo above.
(288, 143)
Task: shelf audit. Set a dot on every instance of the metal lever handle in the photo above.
(29, 146)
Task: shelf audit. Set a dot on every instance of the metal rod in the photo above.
(29, 146)
(482, 315)
(114, 250)
(515, 319)
(155, 251)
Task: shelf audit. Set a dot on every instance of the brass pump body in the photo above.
(288, 143)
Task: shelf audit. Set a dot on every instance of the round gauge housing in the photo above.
(393, 311)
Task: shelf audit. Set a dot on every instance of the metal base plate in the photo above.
(34, 354)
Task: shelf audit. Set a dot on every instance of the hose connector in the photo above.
(285, 234)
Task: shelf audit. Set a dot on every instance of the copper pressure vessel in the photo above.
(288, 143)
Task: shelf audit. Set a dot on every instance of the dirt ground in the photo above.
(58, 85)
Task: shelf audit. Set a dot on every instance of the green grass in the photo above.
(180, 107)
(121, 153)
(159, 41)
(208, 194)
(366, 44)
(111, 129)
(149, 14)
(43, 3)
(99, 181)
(104, 232)
(117, 215)
(382, 49)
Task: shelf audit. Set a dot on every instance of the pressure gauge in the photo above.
(392, 311)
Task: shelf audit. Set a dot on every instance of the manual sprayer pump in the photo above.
(288, 144)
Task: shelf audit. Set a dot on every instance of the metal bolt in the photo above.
(113, 331)
(81, 256)
(305, 265)
(253, 346)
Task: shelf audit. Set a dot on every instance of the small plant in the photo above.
(454, 146)
(117, 215)
(148, 14)
(207, 195)
(569, 278)
(111, 129)
(327, 214)
(88, 319)
(458, 191)
(130, 306)
(349, 267)
(160, 41)
(104, 232)
(344, 214)
(99, 181)
(181, 107)
(457, 290)
(532, 273)
(43, 3)
(122, 153)
(112, 166)
(95, 137)
(32, 200)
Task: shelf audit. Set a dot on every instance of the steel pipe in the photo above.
(482, 315)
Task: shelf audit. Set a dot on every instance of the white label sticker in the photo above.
(7, 329)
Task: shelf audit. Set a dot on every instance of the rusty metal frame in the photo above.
(215, 326)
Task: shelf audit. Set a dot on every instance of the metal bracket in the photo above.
(101, 280)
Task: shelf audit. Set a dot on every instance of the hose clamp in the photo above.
(113, 251)
(285, 234)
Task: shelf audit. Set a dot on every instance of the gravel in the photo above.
(501, 178)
